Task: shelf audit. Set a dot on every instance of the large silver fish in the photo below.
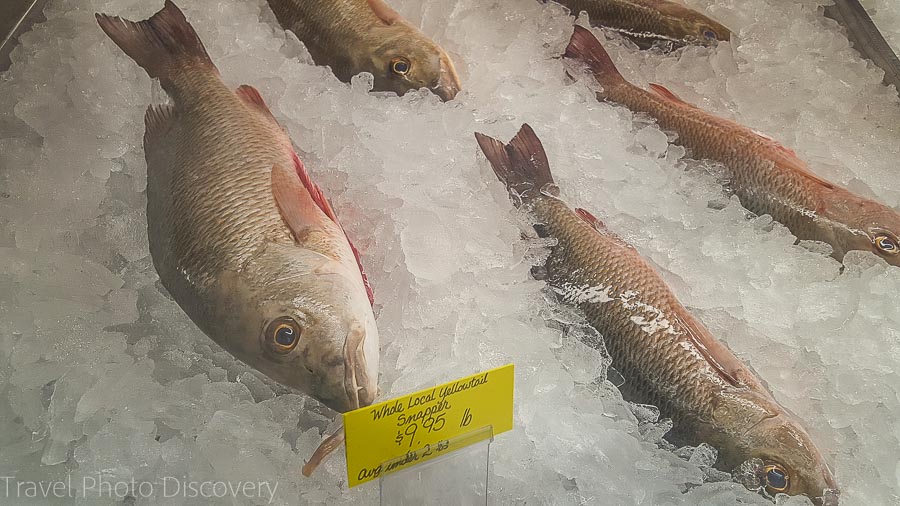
(240, 236)
(668, 358)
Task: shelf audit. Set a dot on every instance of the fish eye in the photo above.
(400, 66)
(886, 244)
(283, 334)
(710, 34)
(776, 477)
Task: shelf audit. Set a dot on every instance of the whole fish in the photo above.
(240, 236)
(651, 20)
(767, 177)
(353, 36)
(668, 358)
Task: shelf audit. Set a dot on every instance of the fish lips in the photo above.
(359, 386)
(448, 85)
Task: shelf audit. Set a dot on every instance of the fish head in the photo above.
(856, 223)
(687, 25)
(405, 59)
(786, 460)
(305, 321)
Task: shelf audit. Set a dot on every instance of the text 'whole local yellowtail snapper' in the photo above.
(353, 36)
(240, 236)
(767, 177)
(651, 20)
(668, 358)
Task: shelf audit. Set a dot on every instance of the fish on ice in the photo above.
(353, 36)
(241, 237)
(767, 177)
(652, 20)
(667, 357)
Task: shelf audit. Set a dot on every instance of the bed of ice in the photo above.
(101, 373)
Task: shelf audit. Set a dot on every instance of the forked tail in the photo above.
(161, 45)
(522, 164)
(585, 48)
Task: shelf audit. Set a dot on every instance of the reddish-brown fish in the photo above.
(767, 177)
(668, 358)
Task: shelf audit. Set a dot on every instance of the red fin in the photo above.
(298, 210)
(314, 191)
(251, 96)
(385, 13)
(667, 94)
(717, 355)
(786, 158)
(319, 198)
(584, 47)
(590, 219)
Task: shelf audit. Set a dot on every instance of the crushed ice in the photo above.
(102, 373)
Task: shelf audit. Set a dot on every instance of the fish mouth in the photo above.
(448, 84)
(357, 383)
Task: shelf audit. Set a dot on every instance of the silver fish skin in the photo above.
(667, 357)
(240, 236)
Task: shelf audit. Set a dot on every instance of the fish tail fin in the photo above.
(160, 44)
(522, 164)
(585, 48)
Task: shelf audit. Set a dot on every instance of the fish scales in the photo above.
(651, 19)
(767, 177)
(657, 358)
(354, 36)
(761, 185)
(666, 356)
(326, 27)
(241, 237)
(635, 16)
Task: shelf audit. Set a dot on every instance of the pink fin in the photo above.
(319, 198)
(590, 219)
(298, 210)
(385, 13)
(584, 47)
(720, 358)
(667, 94)
(251, 97)
(785, 157)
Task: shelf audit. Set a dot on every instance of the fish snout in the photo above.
(448, 85)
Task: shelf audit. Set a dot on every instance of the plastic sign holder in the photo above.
(427, 425)
(458, 476)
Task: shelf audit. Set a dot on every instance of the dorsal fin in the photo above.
(780, 154)
(250, 96)
(667, 94)
(319, 198)
(385, 13)
(591, 219)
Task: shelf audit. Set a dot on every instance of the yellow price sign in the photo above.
(429, 423)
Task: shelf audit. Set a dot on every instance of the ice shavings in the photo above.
(101, 372)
